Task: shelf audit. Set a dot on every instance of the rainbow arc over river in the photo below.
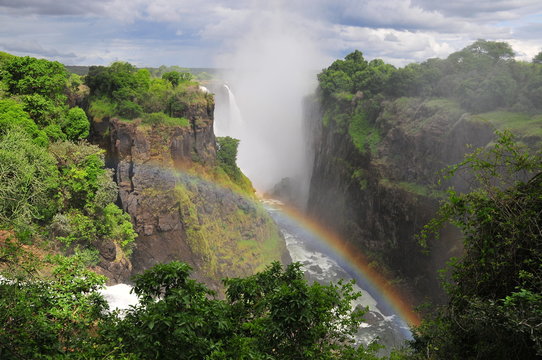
(377, 284)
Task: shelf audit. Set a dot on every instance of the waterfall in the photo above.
(230, 122)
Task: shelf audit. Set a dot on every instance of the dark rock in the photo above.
(179, 216)
(107, 250)
(376, 200)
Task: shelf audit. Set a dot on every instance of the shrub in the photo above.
(76, 125)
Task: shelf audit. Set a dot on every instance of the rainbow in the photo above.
(374, 283)
(369, 280)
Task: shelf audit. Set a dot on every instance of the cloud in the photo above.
(34, 48)
(161, 31)
(53, 7)
(397, 47)
(491, 10)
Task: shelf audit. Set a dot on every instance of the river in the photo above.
(380, 324)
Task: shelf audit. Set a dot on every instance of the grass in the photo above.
(159, 118)
(231, 241)
(413, 188)
(363, 134)
(102, 108)
(441, 104)
(518, 123)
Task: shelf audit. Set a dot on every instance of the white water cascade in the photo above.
(229, 121)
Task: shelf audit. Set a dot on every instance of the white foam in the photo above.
(119, 296)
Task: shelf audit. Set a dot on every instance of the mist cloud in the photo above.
(273, 66)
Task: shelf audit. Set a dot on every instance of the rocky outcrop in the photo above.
(379, 200)
(180, 203)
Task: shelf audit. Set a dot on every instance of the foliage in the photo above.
(125, 91)
(117, 226)
(51, 318)
(28, 178)
(227, 156)
(13, 115)
(175, 77)
(54, 132)
(494, 309)
(282, 316)
(28, 75)
(86, 196)
(76, 125)
(274, 314)
(159, 118)
(41, 85)
(101, 108)
(62, 190)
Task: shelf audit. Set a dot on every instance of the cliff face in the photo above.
(169, 184)
(380, 198)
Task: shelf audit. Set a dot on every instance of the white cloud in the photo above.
(399, 30)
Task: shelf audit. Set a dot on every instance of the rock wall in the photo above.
(379, 200)
(170, 185)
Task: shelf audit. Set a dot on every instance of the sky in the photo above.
(201, 33)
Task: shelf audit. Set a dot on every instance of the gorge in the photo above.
(349, 176)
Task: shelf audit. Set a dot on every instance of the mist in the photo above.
(272, 67)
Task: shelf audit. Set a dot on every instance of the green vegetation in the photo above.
(76, 126)
(481, 78)
(521, 124)
(225, 237)
(52, 317)
(159, 118)
(28, 180)
(494, 289)
(274, 314)
(124, 91)
(495, 306)
(227, 156)
(54, 192)
(413, 188)
(363, 135)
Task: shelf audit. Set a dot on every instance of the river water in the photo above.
(380, 323)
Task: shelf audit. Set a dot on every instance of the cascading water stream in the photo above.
(229, 122)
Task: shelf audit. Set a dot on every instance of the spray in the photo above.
(273, 66)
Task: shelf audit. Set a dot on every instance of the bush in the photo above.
(28, 180)
(13, 116)
(495, 308)
(102, 108)
(129, 109)
(227, 156)
(159, 118)
(76, 124)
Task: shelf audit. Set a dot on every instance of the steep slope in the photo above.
(183, 204)
(382, 136)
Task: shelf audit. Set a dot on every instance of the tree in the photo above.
(227, 156)
(173, 77)
(13, 116)
(28, 75)
(537, 59)
(495, 307)
(51, 318)
(28, 179)
(76, 125)
(280, 315)
(41, 85)
(493, 49)
(274, 314)
(177, 318)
